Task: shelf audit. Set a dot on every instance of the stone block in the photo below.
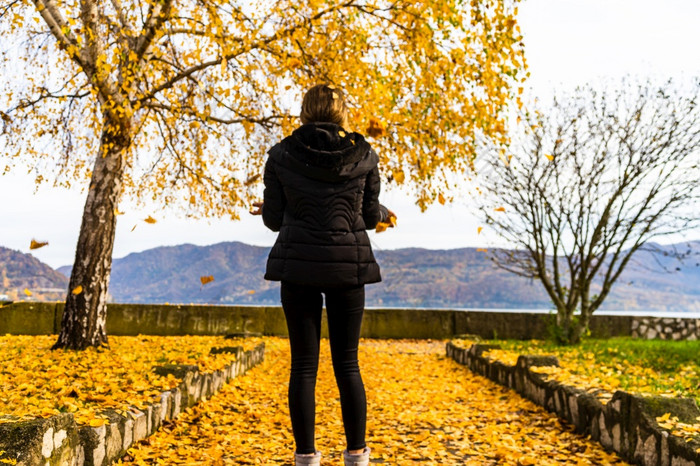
(140, 427)
(54, 440)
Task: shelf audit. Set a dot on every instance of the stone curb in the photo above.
(626, 425)
(59, 440)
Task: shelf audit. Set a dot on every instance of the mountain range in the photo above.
(412, 277)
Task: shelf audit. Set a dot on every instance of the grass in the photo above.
(656, 367)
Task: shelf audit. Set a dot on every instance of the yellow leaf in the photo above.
(77, 290)
(27, 292)
(251, 291)
(550, 157)
(381, 226)
(478, 230)
(441, 199)
(341, 134)
(118, 212)
(150, 220)
(335, 96)
(193, 200)
(482, 250)
(96, 422)
(500, 209)
(392, 220)
(398, 176)
(206, 279)
(663, 418)
(37, 244)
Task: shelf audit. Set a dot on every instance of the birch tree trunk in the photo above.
(85, 314)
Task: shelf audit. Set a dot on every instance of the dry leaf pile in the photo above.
(423, 408)
(38, 382)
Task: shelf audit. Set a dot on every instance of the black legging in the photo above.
(303, 307)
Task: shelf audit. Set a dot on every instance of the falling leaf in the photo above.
(341, 134)
(251, 291)
(381, 226)
(398, 175)
(478, 230)
(118, 212)
(441, 199)
(150, 220)
(252, 179)
(77, 290)
(550, 157)
(500, 209)
(335, 96)
(27, 292)
(206, 279)
(133, 228)
(481, 250)
(193, 200)
(392, 220)
(38, 244)
(376, 128)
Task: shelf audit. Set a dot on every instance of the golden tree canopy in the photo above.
(205, 87)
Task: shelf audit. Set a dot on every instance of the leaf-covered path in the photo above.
(422, 409)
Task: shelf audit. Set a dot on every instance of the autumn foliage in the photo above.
(203, 88)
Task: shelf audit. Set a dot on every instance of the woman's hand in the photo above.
(257, 208)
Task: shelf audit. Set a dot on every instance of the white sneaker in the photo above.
(309, 459)
(360, 459)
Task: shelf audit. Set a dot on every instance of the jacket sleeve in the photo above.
(274, 200)
(372, 211)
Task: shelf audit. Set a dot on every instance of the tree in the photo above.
(176, 101)
(586, 182)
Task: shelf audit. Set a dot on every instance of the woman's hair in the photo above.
(324, 103)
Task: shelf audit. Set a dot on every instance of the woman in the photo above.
(321, 194)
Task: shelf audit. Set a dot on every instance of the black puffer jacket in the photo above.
(321, 194)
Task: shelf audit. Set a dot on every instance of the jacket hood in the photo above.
(326, 152)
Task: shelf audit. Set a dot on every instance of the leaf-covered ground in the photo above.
(38, 382)
(422, 409)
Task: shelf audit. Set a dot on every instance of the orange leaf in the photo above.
(150, 220)
(77, 290)
(37, 244)
(500, 209)
(398, 175)
(381, 226)
(441, 199)
(206, 279)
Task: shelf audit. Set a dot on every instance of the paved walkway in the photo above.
(423, 409)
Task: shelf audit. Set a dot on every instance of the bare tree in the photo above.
(587, 181)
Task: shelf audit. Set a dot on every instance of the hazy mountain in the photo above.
(19, 271)
(413, 277)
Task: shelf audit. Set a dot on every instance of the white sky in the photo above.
(567, 42)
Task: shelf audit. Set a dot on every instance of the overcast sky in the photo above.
(567, 42)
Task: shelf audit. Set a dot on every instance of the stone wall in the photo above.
(626, 424)
(163, 319)
(666, 328)
(60, 441)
